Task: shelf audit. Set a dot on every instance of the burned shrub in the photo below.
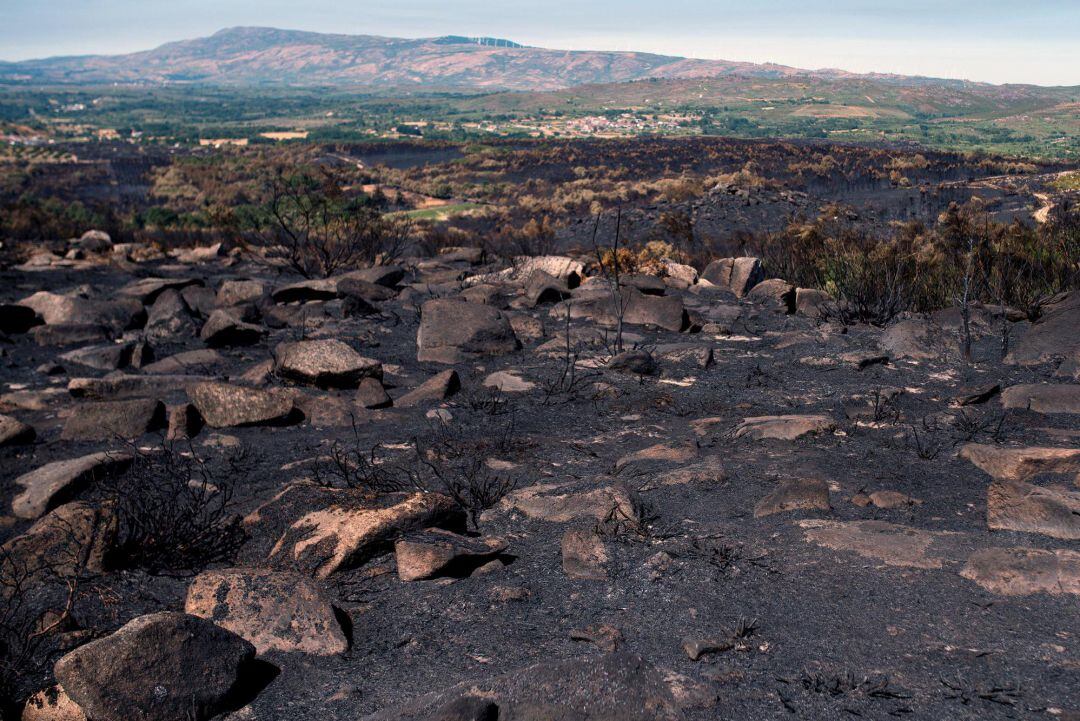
(174, 509)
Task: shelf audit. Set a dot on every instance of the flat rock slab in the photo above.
(1018, 506)
(72, 537)
(321, 531)
(222, 405)
(160, 667)
(122, 385)
(786, 428)
(435, 552)
(107, 420)
(614, 687)
(1043, 397)
(52, 484)
(1024, 571)
(55, 309)
(891, 544)
(274, 610)
(192, 361)
(1020, 464)
(146, 290)
(795, 494)
(327, 363)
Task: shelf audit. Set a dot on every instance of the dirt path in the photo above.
(1043, 214)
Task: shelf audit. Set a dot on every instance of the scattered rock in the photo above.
(452, 331)
(639, 362)
(439, 387)
(436, 552)
(786, 428)
(328, 363)
(795, 494)
(584, 556)
(697, 647)
(54, 483)
(222, 405)
(274, 610)
(14, 432)
(222, 329)
(108, 420)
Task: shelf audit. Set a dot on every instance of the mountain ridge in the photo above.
(273, 56)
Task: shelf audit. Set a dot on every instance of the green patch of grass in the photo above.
(442, 212)
(1070, 181)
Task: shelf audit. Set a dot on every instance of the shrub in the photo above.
(175, 509)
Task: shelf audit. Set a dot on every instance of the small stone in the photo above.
(697, 647)
(584, 556)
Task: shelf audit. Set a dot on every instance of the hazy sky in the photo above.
(1035, 41)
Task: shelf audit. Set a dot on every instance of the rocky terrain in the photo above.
(464, 487)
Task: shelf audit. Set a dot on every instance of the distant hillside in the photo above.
(261, 56)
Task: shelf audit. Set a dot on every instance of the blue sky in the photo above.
(1036, 41)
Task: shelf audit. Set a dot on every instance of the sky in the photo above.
(999, 41)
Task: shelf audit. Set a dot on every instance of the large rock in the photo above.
(1021, 464)
(1043, 397)
(321, 531)
(786, 428)
(327, 363)
(94, 241)
(738, 275)
(16, 318)
(107, 420)
(305, 290)
(452, 331)
(223, 329)
(170, 317)
(1054, 336)
(222, 405)
(55, 309)
(614, 687)
(54, 483)
(159, 667)
(774, 293)
(665, 312)
(14, 432)
(239, 292)
(274, 610)
(1023, 571)
(1017, 506)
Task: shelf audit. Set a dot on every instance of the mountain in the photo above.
(262, 56)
